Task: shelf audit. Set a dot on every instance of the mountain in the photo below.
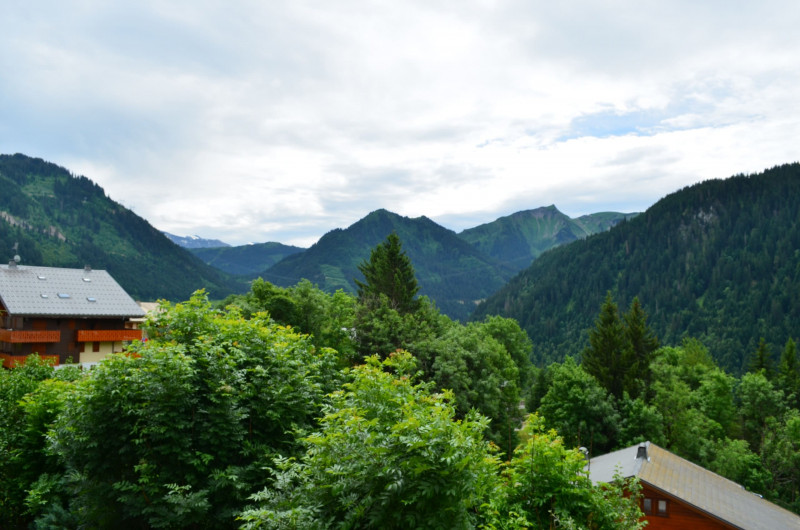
(451, 271)
(718, 261)
(194, 241)
(62, 220)
(245, 259)
(516, 240)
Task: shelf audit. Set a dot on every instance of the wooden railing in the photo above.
(11, 361)
(108, 335)
(29, 336)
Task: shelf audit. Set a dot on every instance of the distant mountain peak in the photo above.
(194, 241)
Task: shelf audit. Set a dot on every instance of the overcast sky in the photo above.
(258, 120)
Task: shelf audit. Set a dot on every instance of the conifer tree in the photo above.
(788, 374)
(604, 356)
(762, 359)
(641, 343)
(389, 272)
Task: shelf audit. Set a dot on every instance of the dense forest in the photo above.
(718, 261)
(290, 407)
(61, 220)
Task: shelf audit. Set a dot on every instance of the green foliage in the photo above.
(718, 261)
(178, 433)
(546, 485)
(580, 409)
(389, 455)
(620, 350)
(389, 273)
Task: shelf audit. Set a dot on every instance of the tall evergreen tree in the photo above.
(604, 357)
(789, 375)
(389, 272)
(642, 342)
(762, 359)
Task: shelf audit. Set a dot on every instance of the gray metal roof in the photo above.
(55, 292)
(695, 485)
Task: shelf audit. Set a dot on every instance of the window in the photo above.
(647, 506)
(662, 507)
(95, 347)
(63, 295)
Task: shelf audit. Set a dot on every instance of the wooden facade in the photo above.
(62, 339)
(675, 513)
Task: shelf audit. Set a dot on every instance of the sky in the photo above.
(269, 120)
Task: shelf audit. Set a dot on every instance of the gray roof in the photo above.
(55, 292)
(694, 485)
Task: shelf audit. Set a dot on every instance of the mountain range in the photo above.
(718, 261)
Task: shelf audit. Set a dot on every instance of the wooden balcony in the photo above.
(29, 336)
(108, 335)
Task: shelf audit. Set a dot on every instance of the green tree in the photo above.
(389, 454)
(580, 409)
(389, 272)
(760, 403)
(181, 429)
(789, 374)
(547, 486)
(606, 356)
(642, 343)
(762, 359)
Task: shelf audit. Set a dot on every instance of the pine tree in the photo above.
(389, 272)
(641, 345)
(604, 356)
(762, 359)
(788, 374)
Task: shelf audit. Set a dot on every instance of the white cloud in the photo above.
(253, 121)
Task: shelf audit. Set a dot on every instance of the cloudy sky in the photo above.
(259, 120)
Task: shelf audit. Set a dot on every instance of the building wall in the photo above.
(67, 348)
(679, 515)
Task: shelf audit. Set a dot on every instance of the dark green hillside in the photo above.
(517, 239)
(718, 261)
(62, 220)
(245, 259)
(449, 270)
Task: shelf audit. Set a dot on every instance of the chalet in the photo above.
(679, 494)
(78, 314)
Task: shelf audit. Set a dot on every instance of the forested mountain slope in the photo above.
(61, 220)
(449, 270)
(245, 259)
(517, 239)
(718, 261)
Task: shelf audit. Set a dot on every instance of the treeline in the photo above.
(288, 407)
(717, 261)
(246, 416)
(628, 389)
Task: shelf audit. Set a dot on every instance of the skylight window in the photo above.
(87, 280)
(91, 298)
(44, 295)
(42, 277)
(64, 295)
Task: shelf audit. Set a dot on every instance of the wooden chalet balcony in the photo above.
(108, 335)
(29, 336)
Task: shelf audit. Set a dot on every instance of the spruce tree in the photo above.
(389, 272)
(642, 342)
(788, 374)
(762, 359)
(604, 356)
